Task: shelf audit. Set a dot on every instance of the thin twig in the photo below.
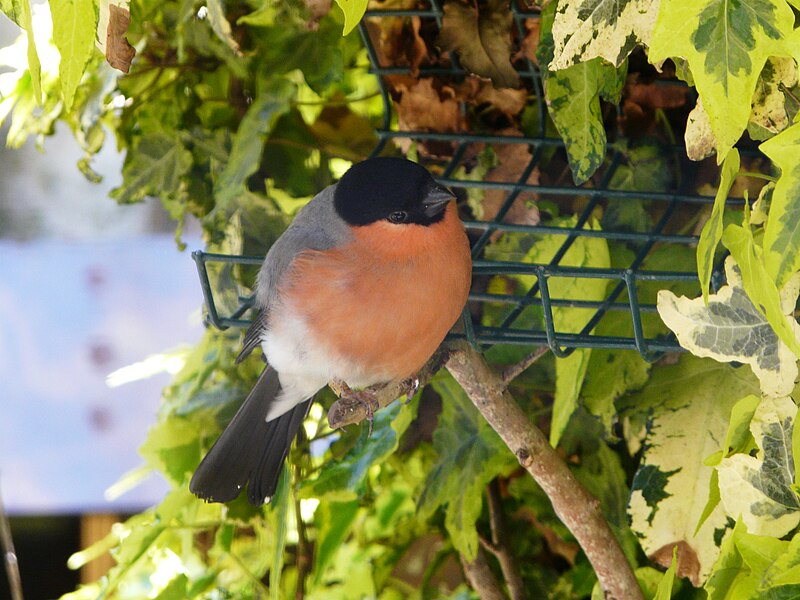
(514, 371)
(500, 546)
(481, 578)
(9, 554)
(576, 508)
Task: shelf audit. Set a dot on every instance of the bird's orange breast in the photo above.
(386, 300)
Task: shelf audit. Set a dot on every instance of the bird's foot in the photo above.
(410, 386)
(368, 398)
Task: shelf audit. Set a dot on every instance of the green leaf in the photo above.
(664, 590)
(220, 25)
(335, 520)
(345, 479)
(19, 11)
(759, 285)
(760, 488)
(74, 29)
(726, 44)
(730, 328)
(729, 569)
(782, 233)
(712, 230)
(471, 454)
(607, 29)
(571, 371)
(353, 12)
(279, 516)
(153, 167)
(573, 101)
(687, 406)
(248, 144)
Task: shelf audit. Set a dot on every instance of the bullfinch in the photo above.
(361, 288)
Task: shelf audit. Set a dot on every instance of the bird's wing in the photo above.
(316, 227)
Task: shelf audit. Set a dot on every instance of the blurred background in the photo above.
(87, 288)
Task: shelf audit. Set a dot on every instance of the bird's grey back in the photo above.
(316, 227)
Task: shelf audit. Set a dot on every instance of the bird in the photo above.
(361, 288)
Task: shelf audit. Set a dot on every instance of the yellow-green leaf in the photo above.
(731, 328)
(726, 45)
(758, 284)
(353, 12)
(712, 230)
(607, 29)
(760, 488)
(664, 590)
(74, 27)
(687, 406)
(782, 233)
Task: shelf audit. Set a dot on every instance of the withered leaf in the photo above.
(119, 53)
(509, 101)
(482, 39)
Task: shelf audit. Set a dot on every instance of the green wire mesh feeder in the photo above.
(529, 314)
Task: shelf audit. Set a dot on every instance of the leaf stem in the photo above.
(757, 175)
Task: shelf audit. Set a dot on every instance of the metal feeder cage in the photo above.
(624, 290)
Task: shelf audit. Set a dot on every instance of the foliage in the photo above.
(237, 113)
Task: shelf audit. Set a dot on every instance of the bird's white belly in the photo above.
(305, 364)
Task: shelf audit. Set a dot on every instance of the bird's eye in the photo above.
(399, 216)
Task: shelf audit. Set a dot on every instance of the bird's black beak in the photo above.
(436, 200)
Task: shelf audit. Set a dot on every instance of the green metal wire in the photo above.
(623, 290)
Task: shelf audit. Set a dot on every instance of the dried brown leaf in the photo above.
(688, 563)
(119, 53)
(478, 91)
(397, 40)
(530, 42)
(512, 160)
(482, 39)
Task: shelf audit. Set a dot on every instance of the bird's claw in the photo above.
(411, 385)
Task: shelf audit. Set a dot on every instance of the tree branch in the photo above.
(576, 508)
(500, 546)
(481, 578)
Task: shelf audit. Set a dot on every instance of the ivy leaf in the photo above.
(726, 45)
(353, 12)
(712, 230)
(664, 590)
(607, 29)
(345, 479)
(730, 328)
(773, 104)
(482, 39)
(153, 167)
(758, 284)
(19, 11)
(279, 515)
(782, 232)
(573, 100)
(687, 412)
(74, 25)
(471, 454)
(220, 25)
(760, 488)
(571, 371)
(248, 144)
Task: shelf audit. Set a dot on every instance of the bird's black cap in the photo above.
(392, 189)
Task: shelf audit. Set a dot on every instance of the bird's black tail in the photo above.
(250, 449)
